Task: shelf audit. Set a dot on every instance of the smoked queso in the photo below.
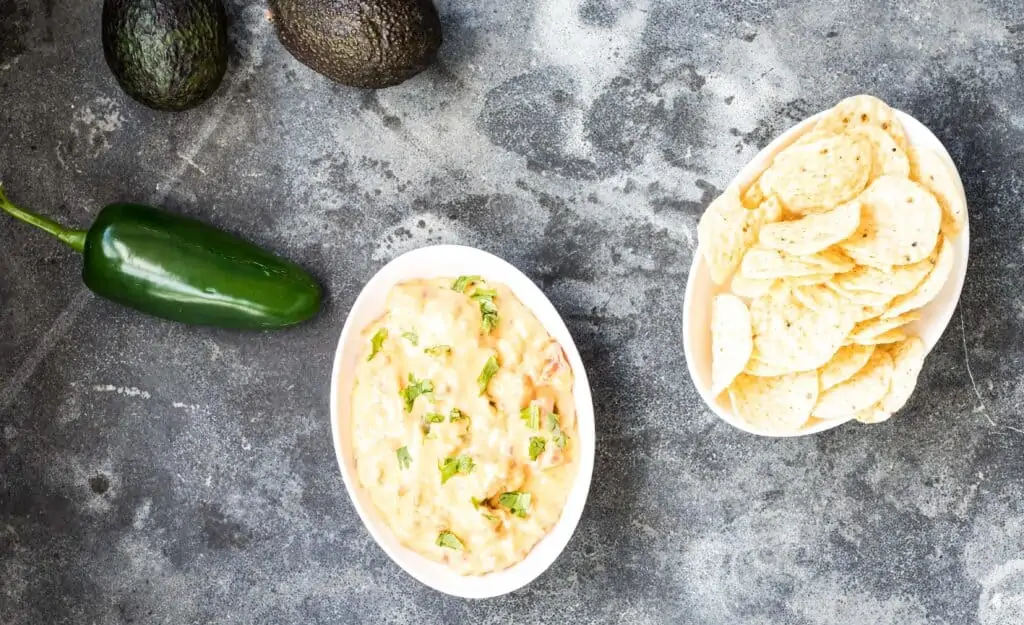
(464, 423)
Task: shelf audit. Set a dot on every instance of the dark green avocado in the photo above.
(168, 54)
(361, 43)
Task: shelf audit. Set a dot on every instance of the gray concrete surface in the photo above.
(154, 473)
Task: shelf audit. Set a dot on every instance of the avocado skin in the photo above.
(369, 44)
(170, 55)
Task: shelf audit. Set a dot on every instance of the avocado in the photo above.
(361, 43)
(168, 54)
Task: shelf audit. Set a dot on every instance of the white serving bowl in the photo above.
(452, 261)
(700, 290)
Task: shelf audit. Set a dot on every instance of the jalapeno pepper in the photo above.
(184, 270)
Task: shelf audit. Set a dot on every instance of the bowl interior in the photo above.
(451, 261)
(700, 290)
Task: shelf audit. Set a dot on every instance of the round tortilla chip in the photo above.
(725, 232)
(872, 328)
(863, 390)
(848, 361)
(899, 224)
(889, 158)
(731, 340)
(864, 110)
(752, 196)
(873, 414)
(930, 287)
(817, 297)
(779, 404)
(862, 298)
(901, 279)
(907, 360)
(818, 176)
(832, 260)
(812, 233)
(892, 336)
(935, 174)
(764, 264)
(792, 336)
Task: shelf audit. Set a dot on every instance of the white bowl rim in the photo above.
(933, 322)
(416, 264)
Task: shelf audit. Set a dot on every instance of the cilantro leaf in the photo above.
(404, 459)
(488, 316)
(464, 281)
(490, 368)
(377, 342)
(558, 437)
(531, 415)
(516, 502)
(414, 390)
(537, 446)
(482, 294)
(461, 465)
(488, 311)
(438, 350)
(433, 417)
(457, 415)
(449, 541)
(428, 418)
(411, 337)
(477, 502)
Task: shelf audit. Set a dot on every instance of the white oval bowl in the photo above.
(452, 261)
(700, 290)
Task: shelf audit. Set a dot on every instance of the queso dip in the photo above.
(463, 423)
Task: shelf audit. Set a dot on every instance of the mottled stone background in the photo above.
(154, 473)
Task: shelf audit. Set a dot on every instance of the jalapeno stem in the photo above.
(75, 239)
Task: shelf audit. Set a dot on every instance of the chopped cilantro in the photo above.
(428, 418)
(457, 415)
(482, 294)
(477, 502)
(490, 368)
(537, 446)
(462, 465)
(491, 517)
(377, 342)
(516, 502)
(531, 415)
(488, 311)
(558, 437)
(449, 541)
(438, 350)
(414, 390)
(433, 417)
(464, 281)
(488, 316)
(411, 337)
(404, 459)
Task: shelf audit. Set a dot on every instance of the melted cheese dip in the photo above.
(451, 471)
